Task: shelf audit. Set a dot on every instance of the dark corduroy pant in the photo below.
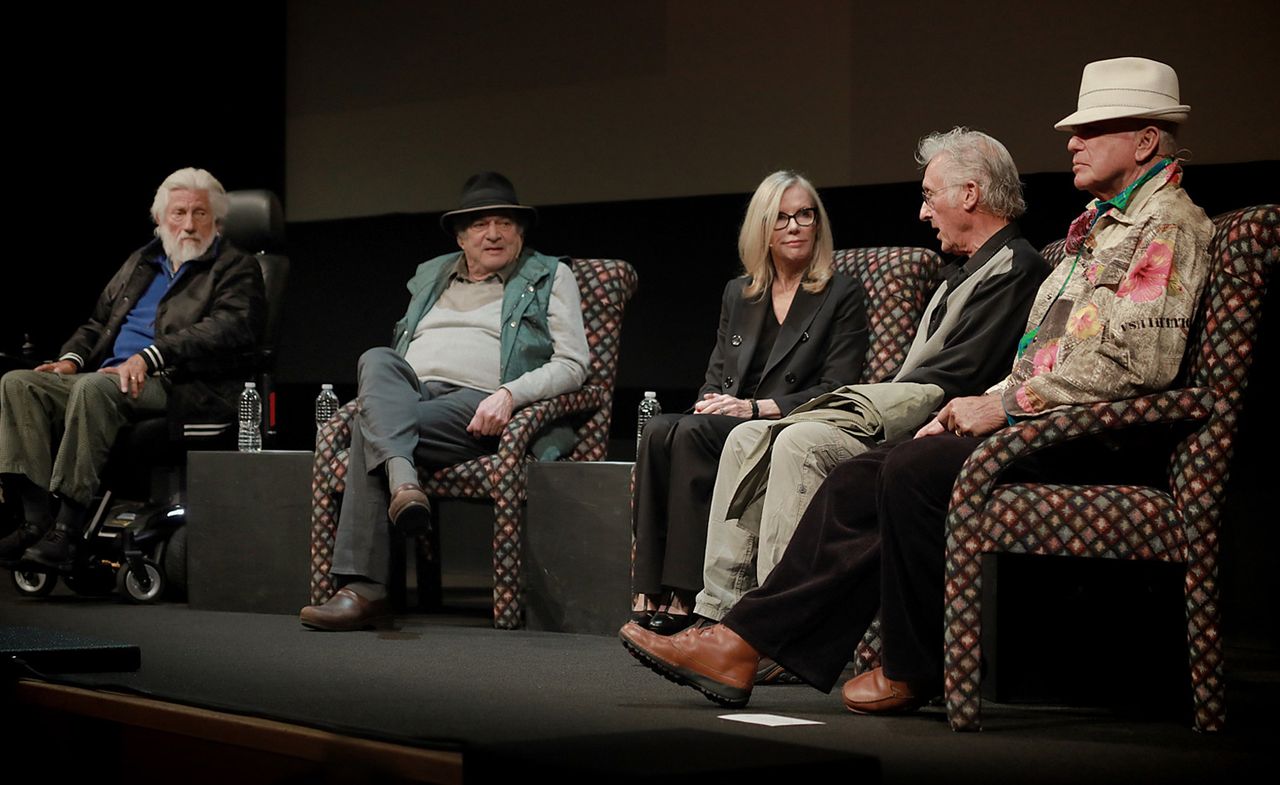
(874, 538)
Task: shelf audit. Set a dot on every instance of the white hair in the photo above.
(191, 179)
(976, 156)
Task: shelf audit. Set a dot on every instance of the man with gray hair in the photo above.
(173, 333)
(769, 470)
(490, 328)
(1109, 325)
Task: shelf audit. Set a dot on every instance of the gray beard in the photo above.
(179, 252)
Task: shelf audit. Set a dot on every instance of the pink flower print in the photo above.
(1080, 229)
(1084, 323)
(1149, 278)
(1027, 400)
(1091, 272)
(1045, 359)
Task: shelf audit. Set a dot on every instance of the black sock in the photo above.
(36, 502)
(70, 515)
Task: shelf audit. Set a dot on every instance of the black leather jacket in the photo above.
(207, 330)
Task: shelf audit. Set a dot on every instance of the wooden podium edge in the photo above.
(272, 736)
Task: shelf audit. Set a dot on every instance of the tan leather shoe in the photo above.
(410, 510)
(874, 693)
(346, 611)
(713, 659)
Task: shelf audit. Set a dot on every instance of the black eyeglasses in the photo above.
(802, 217)
(927, 196)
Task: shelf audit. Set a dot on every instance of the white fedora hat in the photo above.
(1126, 87)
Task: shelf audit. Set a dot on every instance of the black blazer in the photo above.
(820, 346)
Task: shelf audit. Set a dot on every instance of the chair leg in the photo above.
(962, 659)
(866, 656)
(327, 484)
(397, 579)
(324, 517)
(429, 565)
(506, 562)
(1208, 687)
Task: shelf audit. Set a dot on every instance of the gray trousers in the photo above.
(742, 552)
(425, 423)
(57, 430)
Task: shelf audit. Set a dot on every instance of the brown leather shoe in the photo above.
(346, 611)
(874, 693)
(410, 511)
(712, 659)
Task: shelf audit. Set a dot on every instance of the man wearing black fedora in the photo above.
(488, 330)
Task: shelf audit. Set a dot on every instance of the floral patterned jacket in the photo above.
(1120, 324)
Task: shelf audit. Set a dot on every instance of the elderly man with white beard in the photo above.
(173, 333)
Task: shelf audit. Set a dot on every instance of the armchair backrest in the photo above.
(1055, 252)
(898, 282)
(606, 285)
(1243, 253)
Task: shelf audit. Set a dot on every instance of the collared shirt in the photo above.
(970, 329)
(138, 331)
(956, 274)
(749, 384)
(1113, 323)
(459, 339)
(463, 273)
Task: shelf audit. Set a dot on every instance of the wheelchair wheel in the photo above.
(147, 587)
(33, 584)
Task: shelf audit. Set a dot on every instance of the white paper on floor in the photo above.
(768, 720)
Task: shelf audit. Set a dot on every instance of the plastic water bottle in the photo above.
(250, 419)
(648, 409)
(326, 405)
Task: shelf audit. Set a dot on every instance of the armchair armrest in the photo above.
(515, 439)
(328, 470)
(339, 425)
(528, 422)
(1000, 450)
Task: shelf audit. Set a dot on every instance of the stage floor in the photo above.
(450, 681)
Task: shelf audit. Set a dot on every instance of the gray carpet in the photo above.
(451, 680)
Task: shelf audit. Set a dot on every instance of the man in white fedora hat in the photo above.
(488, 330)
(1109, 323)
(1127, 87)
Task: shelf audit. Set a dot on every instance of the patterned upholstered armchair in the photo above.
(898, 283)
(606, 286)
(1178, 524)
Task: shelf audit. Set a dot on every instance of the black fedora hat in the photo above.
(487, 191)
